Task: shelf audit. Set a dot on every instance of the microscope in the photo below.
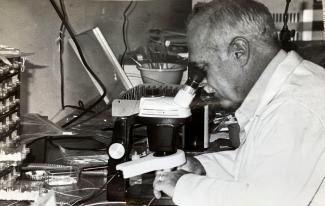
(163, 116)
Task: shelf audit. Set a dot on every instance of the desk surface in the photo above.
(141, 194)
(66, 195)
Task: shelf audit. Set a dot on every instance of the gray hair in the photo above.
(230, 18)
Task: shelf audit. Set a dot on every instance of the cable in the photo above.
(124, 32)
(14, 203)
(320, 185)
(89, 188)
(80, 107)
(65, 194)
(104, 203)
(61, 51)
(151, 201)
(92, 168)
(94, 194)
(285, 34)
(73, 37)
(63, 203)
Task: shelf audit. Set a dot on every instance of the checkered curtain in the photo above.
(324, 14)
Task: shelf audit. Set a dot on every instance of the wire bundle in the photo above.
(67, 26)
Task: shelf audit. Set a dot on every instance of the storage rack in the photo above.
(12, 152)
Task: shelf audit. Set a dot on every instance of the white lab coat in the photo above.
(281, 160)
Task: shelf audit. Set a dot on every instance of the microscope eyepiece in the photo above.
(197, 74)
(186, 94)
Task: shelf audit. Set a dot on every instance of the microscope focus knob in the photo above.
(116, 151)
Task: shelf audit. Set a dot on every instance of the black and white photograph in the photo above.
(162, 102)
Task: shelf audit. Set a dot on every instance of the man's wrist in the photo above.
(199, 167)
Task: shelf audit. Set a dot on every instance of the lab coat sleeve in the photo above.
(281, 163)
(194, 190)
(218, 164)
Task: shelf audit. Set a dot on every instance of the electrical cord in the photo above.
(105, 203)
(319, 187)
(92, 168)
(94, 194)
(124, 32)
(74, 39)
(14, 203)
(285, 34)
(65, 194)
(151, 201)
(61, 51)
(62, 203)
(88, 169)
(82, 189)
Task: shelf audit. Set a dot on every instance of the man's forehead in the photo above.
(202, 52)
(199, 35)
(199, 42)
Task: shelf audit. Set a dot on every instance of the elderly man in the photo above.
(280, 101)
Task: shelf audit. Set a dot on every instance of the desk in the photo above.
(65, 195)
(136, 195)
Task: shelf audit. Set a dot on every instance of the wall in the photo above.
(32, 26)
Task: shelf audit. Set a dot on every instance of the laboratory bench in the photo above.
(91, 137)
(87, 139)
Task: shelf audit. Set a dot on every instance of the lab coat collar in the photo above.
(267, 86)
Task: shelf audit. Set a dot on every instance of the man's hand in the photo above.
(166, 182)
(193, 165)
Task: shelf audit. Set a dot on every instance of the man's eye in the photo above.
(204, 67)
(198, 66)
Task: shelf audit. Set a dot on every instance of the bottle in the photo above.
(136, 180)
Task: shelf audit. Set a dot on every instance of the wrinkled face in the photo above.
(224, 73)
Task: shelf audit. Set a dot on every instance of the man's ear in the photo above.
(238, 50)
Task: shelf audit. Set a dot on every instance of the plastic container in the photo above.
(162, 73)
(59, 178)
